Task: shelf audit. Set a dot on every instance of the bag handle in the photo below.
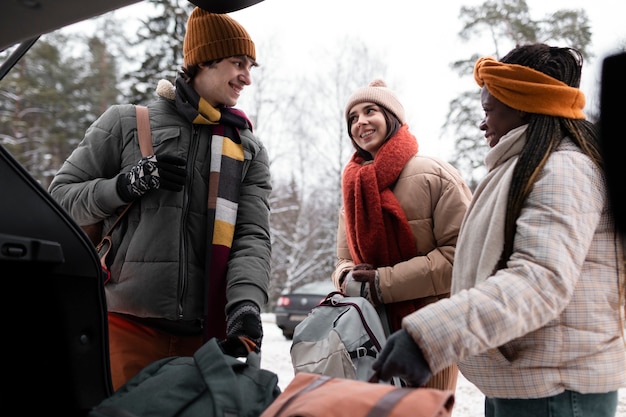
(384, 406)
(330, 301)
(316, 383)
(144, 134)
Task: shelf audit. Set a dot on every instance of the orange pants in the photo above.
(133, 346)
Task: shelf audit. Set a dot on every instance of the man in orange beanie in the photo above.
(191, 259)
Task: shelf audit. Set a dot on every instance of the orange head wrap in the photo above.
(526, 89)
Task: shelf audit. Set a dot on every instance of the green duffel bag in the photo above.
(211, 383)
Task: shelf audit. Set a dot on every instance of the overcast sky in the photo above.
(418, 41)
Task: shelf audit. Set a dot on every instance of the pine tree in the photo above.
(161, 38)
(52, 96)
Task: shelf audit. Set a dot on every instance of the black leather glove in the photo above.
(370, 286)
(402, 357)
(152, 172)
(244, 320)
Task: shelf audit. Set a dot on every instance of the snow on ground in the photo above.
(275, 357)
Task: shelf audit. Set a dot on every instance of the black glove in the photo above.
(244, 320)
(402, 357)
(152, 172)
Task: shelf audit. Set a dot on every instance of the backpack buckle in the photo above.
(359, 352)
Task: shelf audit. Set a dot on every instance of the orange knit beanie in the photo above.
(213, 36)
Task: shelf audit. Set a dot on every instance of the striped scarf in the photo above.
(226, 166)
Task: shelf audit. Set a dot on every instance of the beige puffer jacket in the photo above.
(434, 198)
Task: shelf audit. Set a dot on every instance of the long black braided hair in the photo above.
(545, 133)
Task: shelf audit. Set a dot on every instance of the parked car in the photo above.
(54, 308)
(293, 306)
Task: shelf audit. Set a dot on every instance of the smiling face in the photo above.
(368, 127)
(221, 83)
(499, 119)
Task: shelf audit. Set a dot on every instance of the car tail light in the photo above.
(283, 301)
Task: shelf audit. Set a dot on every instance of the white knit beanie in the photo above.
(377, 92)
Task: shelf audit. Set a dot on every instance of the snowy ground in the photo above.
(275, 357)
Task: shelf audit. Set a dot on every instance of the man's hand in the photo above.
(152, 172)
(402, 357)
(244, 320)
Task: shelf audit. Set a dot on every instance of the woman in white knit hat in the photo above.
(401, 215)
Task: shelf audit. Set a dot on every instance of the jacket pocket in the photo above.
(162, 136)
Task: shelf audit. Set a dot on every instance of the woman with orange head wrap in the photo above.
(535, 317)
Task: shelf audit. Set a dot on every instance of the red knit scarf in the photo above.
(377, 229)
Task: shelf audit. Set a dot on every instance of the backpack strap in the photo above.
(366, 349)
(385, 405)
(143, 131)
(144, 134)
(368, 329)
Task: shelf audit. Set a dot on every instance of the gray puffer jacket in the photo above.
(158, 261)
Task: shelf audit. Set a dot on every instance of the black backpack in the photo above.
(210, 383)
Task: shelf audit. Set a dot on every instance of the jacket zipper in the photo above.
(183, 256)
